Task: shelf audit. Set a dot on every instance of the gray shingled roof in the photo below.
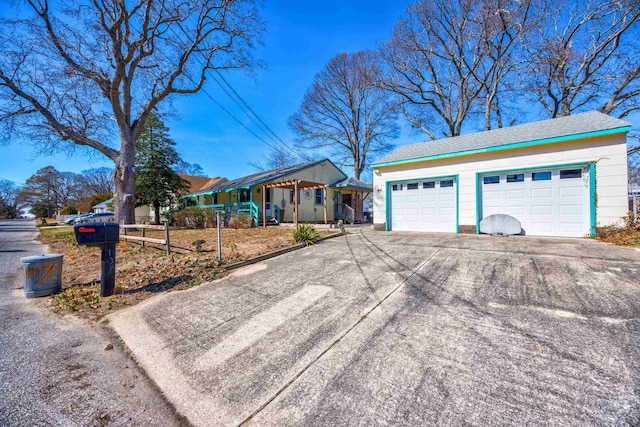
(351, 182)
(258, 178)
(592, 121)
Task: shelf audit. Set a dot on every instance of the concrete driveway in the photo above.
(404, 329)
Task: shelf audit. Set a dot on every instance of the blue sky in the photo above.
(301, 38)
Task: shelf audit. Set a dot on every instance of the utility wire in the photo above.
(256, 116)
(257, 123)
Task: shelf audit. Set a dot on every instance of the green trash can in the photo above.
(43, 275)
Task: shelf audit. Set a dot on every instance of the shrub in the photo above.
(240, 221)
(169, 216)
(192, 217)
(68, 210)
(306, 234)
(198, 244)
(626, 235)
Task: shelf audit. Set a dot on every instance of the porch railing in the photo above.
(250, 208)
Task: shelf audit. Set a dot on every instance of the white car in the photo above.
(73, 220)
(92, 217)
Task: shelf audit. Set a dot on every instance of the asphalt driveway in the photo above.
(404, 329)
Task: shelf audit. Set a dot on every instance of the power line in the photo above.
(257, 117)
(260, 121)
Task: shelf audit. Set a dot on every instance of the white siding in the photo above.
(610, 153)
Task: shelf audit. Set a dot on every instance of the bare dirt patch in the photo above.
(143, 272)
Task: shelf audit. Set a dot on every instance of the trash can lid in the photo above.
(40, 257)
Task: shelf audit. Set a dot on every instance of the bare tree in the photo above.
(503, 25)
(587, 55)
(346, 110)
(187, 168)
(52, 189)
(90, 72)
(451, 58)
(276, 159)
(97, 181)
(11, 200)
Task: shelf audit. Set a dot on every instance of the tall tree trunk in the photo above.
(156, 208)
(124, 199)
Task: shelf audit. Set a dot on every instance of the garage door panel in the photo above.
(431, 210)
(576, 210)
(517, 211)
(540, 227)
(541, 210)
(541, 193)
(547, 206)
(423, 209)
(514, 194)
(491, 210)
(447, 211)
(491, 195)
(571, 229)
(571, 192)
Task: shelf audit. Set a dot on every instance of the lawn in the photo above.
(143, 272)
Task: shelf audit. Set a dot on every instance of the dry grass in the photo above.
(143, 272)
(626, 235)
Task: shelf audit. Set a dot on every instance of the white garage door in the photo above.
(548, 202)
(428, 205)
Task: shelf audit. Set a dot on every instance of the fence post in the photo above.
(219, 239)
(166, 237)
(143, 235)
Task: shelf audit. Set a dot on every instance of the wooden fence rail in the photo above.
(144, 239)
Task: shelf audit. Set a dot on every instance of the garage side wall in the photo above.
(609, 152)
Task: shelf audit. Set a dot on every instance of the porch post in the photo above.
(326, 189)
(295, 204)
(264, 207)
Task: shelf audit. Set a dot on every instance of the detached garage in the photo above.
(558, 177)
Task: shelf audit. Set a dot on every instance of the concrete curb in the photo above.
(273, 254)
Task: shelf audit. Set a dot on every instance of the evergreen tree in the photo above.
(156, 183)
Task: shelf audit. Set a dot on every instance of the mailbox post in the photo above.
(105, 235)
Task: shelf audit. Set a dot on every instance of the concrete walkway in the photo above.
(404, 329)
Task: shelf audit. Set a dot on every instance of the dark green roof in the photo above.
(353, 183)
(259, 178)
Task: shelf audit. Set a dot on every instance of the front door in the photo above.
(337, 205)
(267, 198)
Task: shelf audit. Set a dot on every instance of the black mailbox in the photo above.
(97, 233)
(105, 235)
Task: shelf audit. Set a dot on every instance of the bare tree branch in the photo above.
(346, 110)
(91, 71)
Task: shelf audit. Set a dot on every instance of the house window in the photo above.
(412, 186)
(319, 196)
(571, 173)
(245, 195)
(515, 177)
(446, 183)
(430, 184)
(396, 187)
(491, 179)
(541, 176)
